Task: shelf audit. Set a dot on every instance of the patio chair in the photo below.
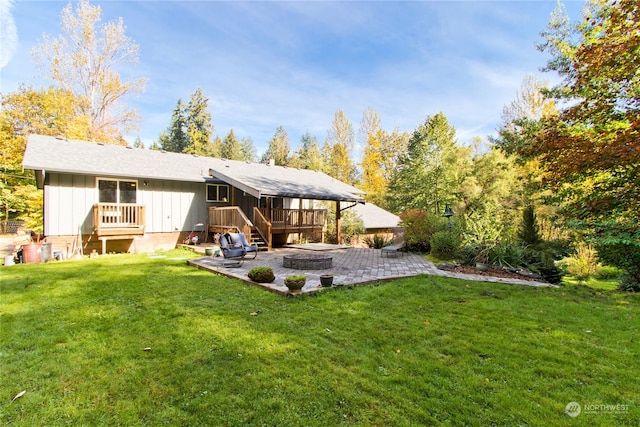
(235, 254)
(394, 249)
(239, 239)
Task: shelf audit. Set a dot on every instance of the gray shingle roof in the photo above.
(374, 216)
(87, 158)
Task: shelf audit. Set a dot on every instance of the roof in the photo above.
(374, 216)
(53, 154)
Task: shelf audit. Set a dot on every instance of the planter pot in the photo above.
(326, 280)
(294, 285)
(481, 266)
(208, 251)
(32, 253)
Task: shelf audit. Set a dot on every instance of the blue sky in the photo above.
(265, 64)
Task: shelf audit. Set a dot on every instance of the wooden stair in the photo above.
(257, 239)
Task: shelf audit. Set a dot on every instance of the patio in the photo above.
(350, 267)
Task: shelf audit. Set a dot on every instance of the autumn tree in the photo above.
(338, 149)
(279, 148)
(590, 151)
(84, 60)
(380, 156)
(49, 111)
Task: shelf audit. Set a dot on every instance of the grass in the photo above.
(136, 340)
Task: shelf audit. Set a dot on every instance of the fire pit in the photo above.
(307, 261)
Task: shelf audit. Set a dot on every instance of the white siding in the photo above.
(170, 205)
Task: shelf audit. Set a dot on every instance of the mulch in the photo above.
(493, 271)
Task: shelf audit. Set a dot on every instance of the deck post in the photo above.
(338, 221)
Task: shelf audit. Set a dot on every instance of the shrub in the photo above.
(584, 263)
(445, 244)
(261, 274)
(626, 257)
(608, 272)
(351, 225)
(541, 259)
(508, 254)
(377, 242)
(420, 225)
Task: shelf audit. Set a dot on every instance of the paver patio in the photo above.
(350, 267)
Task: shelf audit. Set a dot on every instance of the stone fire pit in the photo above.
(307, 261)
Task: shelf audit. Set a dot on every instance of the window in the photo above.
(217, 193)
(117, 191)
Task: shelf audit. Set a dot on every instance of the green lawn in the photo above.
(418, 351)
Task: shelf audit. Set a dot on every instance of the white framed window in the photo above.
(217, 193)
(117, 190)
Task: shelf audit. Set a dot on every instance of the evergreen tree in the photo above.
(231, 148)
(529, 232)
(174, 139)
(138, 143)
(199, 128)
(308, 155)
(248, 150)
(278, 149)
(190, 130)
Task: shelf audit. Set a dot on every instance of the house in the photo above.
(128, 199)
(378, 222)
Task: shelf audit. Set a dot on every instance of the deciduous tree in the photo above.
(591, 150)
(380, 156)
(84, 60)
(430, 172)
(338, 149)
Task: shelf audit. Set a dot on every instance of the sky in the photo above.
(265, 64)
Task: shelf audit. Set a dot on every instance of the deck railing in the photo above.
(263, 227)
(118, 215)
(295, 218)
(229, 217)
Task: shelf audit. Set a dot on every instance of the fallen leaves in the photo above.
(18, 396)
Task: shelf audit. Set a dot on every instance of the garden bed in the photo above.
(493, 271)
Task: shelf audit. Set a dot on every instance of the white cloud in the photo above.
(8, 33)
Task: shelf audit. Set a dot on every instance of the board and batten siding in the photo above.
(170, 205)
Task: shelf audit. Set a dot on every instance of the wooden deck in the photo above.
(115, 221)
(267, 222)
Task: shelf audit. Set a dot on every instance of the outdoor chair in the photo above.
(235, 255)
(394, 249)
(239, 239)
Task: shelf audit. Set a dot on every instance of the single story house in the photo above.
(120, 198)
(378, 222)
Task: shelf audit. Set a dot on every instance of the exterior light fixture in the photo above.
(448, 213)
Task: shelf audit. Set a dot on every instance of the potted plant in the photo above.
(482, 257)
(326, 280)
(295, 282)
(262, 274)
